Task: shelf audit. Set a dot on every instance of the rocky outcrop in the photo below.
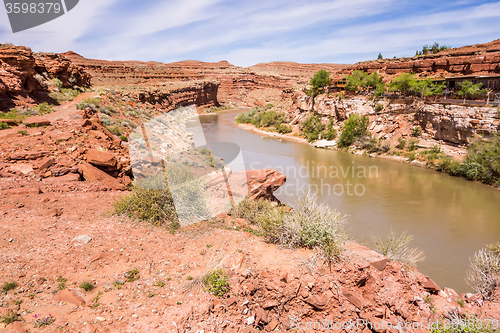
(243, 86)
(24, 75)
(390, 119)
(67, 151)
(171, 96)
(352, 296)
(468, 60)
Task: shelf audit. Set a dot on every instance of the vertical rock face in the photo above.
(24, 75)
(451, 123)
(171, 96)
(468, 60)
(238, 85)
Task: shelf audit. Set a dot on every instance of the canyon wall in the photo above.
(480, 59)
(392, 119)
(25, 76)
(262, 83)
(170, 96)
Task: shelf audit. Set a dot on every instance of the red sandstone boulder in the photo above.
(93, 174)
(101, 158)
(28, 155)
(36, 122)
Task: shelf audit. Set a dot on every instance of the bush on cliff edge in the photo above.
(354, 127)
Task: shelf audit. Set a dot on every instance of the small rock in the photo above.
(82, 239)
(100, 318)
(250, 320)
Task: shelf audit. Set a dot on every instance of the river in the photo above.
(450, 217)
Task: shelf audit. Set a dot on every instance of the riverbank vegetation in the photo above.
(265, 117)
(314, 129)
(482, 162)
(356, 126)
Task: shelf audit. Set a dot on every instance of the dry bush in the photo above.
(396, 248)
(484, 273)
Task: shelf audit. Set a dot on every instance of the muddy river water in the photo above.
(450, 217)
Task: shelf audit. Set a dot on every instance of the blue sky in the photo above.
(249, 32)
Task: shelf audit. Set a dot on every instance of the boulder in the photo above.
(92, 174)
(380, 264)
(70, 177)
(23, 190)
(101, 158)
(10, 122)
(430, 285)
(28, 155)
(45, 163)
(353, 297)
(70, 296)
(22, 168)
(36, 122)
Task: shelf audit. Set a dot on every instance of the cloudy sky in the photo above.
(249, 32)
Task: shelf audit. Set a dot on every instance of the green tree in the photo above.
(469, 89)
(403, 83)
(356, 81)
(380, 56)
(320, 80)
(360, 80)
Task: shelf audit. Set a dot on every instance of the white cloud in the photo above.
(250, 32)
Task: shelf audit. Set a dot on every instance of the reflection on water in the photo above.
(451, 218)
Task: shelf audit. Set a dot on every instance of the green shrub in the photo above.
(283, 128)
(4, 126)
(155, 206)
(8, 286)
(401, 143)
(10, 317)
(396, 248)
(57, 83)
(44, 108)
(87, 286)
(264, 118)
(450, 166)
(152, 201)
(124, 138)
(412, 144)
(92, 100)
(115, 129)
(132, 275)
(379, 107)
(483, 160)
(416, 131)
(13, 114)
(252, 209)
(354, 127)
(216, 283)
(312, 128)
(22, 132)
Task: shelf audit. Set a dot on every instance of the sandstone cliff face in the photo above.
(24, 75)
(261, 83)
(169, 97)
(450, 123)
(469, 60)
